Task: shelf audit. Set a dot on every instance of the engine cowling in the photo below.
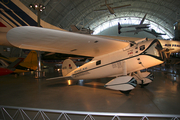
(123, 83)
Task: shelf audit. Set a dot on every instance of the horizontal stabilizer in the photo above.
(61, 77)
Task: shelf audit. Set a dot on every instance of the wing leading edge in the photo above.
(43, 39)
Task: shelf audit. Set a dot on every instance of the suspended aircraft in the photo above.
(138, 28)
(109, 8)
(18, 65)
(82, 30)
(153, 32)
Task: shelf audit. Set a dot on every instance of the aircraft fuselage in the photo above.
(111, 11)
(121, 62)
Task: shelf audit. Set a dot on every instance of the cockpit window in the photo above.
(98, 62)
(154, 50)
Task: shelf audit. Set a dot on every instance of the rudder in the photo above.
(31, 61)
(68, 66)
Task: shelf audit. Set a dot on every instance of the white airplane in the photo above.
(82, 30)
(138, 28)
(110, 9)
(113, 57)
(153, 32)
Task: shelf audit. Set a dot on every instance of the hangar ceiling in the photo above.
(63, 13)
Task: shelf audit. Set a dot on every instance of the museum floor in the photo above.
(161, 96)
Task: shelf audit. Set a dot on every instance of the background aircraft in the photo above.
(109, 8)
(138, 28)
(15, 14)
(153, 32)
(27, 64)
(8, 69)
(82, 30)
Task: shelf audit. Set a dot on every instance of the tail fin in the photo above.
(74, 28)
(143, 19)
(119, 28)
(68, 66)
(31, 61)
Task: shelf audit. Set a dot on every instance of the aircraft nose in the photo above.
(5, 71)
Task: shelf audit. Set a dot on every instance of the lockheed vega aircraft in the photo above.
(113, 56)
(109, 8)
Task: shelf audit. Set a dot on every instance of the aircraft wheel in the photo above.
(126, 92)
(144, 85)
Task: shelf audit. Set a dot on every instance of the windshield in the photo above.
(154, 50)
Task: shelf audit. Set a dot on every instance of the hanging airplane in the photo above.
(18, 65)
(138, 28)
(82, 30)
(109, 8)
(113, 56)
(153, 32)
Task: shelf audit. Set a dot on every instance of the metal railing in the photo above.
(22, 113)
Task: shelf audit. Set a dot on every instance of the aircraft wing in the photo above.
(101, 10)
(121, 6)
(154, 33)
(43, 39)
(131, 31)
(143, 25)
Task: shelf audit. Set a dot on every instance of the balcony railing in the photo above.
(23, 113)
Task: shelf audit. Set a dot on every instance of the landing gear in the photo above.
(126, 92)
(144, 85)
(143, 78)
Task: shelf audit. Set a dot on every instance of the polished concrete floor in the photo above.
(161, 96)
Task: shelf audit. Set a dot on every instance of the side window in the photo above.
(98, 62)
(142, 47)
